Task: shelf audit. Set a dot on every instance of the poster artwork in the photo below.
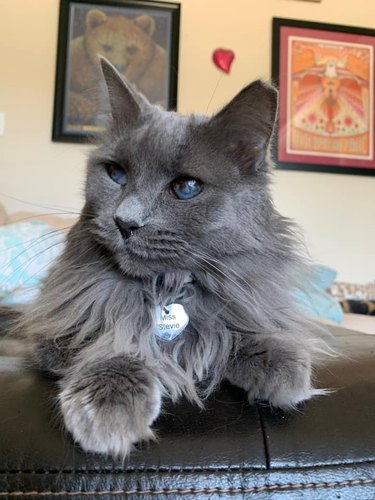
(329, 103)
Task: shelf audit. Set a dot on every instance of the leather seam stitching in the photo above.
(196, 491)
(162, 470)
(178, 470)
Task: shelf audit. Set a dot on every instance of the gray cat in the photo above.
(178, 230)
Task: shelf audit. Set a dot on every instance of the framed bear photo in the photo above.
(140, 38)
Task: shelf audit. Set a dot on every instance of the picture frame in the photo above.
(139, 37)
(325, 76)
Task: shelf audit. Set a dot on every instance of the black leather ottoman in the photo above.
(325, 450)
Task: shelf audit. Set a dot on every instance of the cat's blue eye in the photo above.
(117, 174)
(186, 188)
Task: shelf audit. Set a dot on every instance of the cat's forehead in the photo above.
(162, 135)
(170, 122)
(168, 130)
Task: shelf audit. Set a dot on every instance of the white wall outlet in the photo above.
(2, 122)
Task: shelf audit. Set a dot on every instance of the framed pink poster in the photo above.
(325, 76)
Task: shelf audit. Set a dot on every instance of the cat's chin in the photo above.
(141, 261)
(141, 268)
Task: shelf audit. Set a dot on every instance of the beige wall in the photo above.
(336, 211)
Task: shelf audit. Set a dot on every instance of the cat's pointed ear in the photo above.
(126, 103)
(244, 126)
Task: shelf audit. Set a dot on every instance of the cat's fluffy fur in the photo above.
(94, 322)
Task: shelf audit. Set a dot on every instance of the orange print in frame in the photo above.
(325, 75)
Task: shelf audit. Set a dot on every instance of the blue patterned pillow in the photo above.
(314, 300)
(27, 249)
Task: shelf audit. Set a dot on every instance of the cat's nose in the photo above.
(126, 228)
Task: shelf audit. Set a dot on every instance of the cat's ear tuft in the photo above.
(245, 125)
(125, 102)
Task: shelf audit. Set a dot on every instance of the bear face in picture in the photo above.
(128, 44)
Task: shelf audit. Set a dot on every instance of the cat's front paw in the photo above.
(274, 370)
(284, 384)
(111, 407)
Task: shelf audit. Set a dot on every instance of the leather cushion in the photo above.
(325, 449)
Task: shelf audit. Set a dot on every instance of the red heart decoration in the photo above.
(223, 59)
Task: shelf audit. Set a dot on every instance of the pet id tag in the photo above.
(171, 321)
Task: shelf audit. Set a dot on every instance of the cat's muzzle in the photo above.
(126, 228)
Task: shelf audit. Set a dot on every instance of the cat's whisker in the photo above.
(210, 265)
(37, 255)
(31, 258)
(53, 211)
(203, 268)
(34, 242)
(246, 295)
(70, 211)
(248, 286)
(223, 264)
(40, 217)
(29, 244)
